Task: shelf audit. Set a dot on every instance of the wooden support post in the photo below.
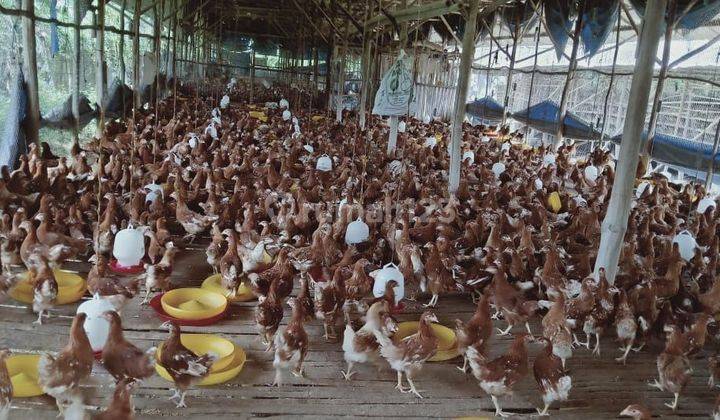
(392, 138)
(328, 74)
(466, 59)
(365, 75)
(315, 73)
(32, 123)
(137, 98)
(615, 224)
(100, 79)
(76, 72)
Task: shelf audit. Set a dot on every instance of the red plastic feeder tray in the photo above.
(128, 271)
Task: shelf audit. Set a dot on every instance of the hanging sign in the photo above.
(395, 95)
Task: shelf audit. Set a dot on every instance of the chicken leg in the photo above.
(506, 331)
(625, 351)
(399, 382)
(596, 349)
(349, 374)
(412, 386)
(674, 405)
(181, 403)
(298, 372)
(544, 411)
(498, 410)
(463, 369)
(433, 301)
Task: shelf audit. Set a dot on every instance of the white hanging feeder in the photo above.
(538, 184)
(224, 102)
(498, 168)
(430, 142)
(469, 155)
(309, 148)
(704, 204)
(284, 103)
(96, 327)
(395, 167)
(401, 127)
(485, 139)
(324, 163)
(129, 247)
(357, 232)
(687, 244)
(549, 159)
(641, 188)
(286, 115)
(389, 272)
(591, 173)
(155, 191)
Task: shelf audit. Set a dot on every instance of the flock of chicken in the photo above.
(255, 187)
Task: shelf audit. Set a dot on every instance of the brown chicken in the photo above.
(292, 344)
(551, 377)
(122, 359)
(185, 367)
(121, 406)
(329, 302)
(625, 326)
(557, 329)
(673, 366)
(637, 412)
(118, 291)
(409, 355)
(60, 376)
(361, 346)
(157, 276)
(45, 290)
(497, 377)
(268, 314)
(476, 332)
(282, 270)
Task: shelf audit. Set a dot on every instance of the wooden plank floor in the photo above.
(601, 386)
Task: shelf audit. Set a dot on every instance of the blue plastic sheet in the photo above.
(12, 143)
(598, 21)
(486, 108)
(557, 19)
(544, 117)
(702, 12)
(54, 40)
(679, 151)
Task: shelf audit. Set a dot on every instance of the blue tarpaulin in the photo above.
(699, 14)
(598, 20)
(544, 117)
(54, 40)
(518, 14)
(679, 151)
(557, 19)
(12, 143)
(486, 108)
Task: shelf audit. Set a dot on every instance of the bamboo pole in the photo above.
(76, 72)
(174, 61)
(121, 48)
(101, 80)
(532, 76)
(468, 52)
(657, 100)
(612, 80)
(711, 165)
(367, 56)
(615, 223)
(569, 77)
(252, 78)
(341, 77)
(137, 98)
(506, 100)
(32, 125)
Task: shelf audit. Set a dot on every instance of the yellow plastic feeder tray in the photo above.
(209, 343)
(23, 370)
(192, 303)
(447, 344)
(215, 377)
(71, 287)
(243, 293)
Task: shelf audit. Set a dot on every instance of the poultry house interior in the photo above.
(332, 262)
